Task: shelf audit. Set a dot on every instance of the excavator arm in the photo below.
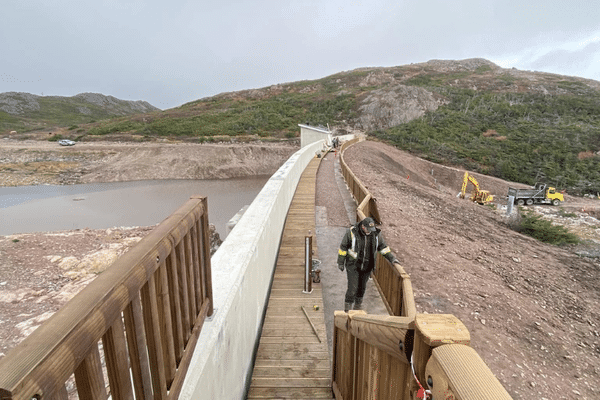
(463, 190)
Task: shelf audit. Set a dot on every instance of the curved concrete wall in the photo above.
(242, 269)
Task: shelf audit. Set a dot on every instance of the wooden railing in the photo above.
(368, 360)
(392, 281)
(374, 357)
(396, 356)
(395, 288)
(145, 312)
(367, 206)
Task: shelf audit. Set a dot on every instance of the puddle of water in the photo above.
(27, 209)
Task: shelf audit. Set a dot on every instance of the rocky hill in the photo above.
(522, 126)
(25, 111)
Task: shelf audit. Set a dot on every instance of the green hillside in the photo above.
(523, 137)
(517, 125)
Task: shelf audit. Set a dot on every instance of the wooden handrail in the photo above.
(456, 371)
(367, 206)
(395, 287)
(387, 333)
(147, 309)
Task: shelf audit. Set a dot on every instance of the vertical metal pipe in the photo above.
(307, 264)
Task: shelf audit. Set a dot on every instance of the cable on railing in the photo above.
(422, 393)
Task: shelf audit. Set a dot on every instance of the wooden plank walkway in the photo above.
(291, 361)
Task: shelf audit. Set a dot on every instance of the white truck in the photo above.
(540, 194)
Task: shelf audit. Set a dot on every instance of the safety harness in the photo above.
(352, 250)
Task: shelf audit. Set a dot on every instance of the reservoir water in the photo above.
(27, 209)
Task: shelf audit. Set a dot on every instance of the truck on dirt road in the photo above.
(540, 194)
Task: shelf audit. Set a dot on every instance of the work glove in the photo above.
(341, 267)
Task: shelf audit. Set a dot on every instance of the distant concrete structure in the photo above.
(310, 134)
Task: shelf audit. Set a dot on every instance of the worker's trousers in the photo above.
(357, 283)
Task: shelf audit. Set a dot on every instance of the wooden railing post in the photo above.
(432, 330)
(88, 376)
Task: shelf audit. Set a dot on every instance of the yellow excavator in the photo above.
(478, 195)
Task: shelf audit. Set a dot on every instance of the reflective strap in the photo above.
(342, 253)
(352, 250)
(385, 250)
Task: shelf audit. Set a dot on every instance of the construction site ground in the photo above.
(532, 309)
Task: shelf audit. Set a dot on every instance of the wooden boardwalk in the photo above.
(292, 361)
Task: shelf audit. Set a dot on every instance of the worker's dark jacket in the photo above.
(360, 250)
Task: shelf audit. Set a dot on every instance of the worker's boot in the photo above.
(347, 306)
(358, 303)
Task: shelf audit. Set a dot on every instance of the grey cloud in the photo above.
(567, 60)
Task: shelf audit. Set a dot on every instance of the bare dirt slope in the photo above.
(533, 309)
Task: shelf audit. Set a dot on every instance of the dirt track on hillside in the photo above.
(532, 309)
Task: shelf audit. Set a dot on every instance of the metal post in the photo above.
(509, 204)
(307, 264)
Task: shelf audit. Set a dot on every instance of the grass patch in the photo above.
(565, 214)
(545, 231)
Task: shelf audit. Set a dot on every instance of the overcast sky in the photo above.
(172, 52)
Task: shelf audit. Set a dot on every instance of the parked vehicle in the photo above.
(539, 194)
(66, 142)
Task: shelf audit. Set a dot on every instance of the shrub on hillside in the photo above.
(544, 230)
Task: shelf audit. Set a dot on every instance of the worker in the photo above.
(335, 142)
(357, 255)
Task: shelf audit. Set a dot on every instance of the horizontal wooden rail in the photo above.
(147, 310)
(367, 206)
(456, 371)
